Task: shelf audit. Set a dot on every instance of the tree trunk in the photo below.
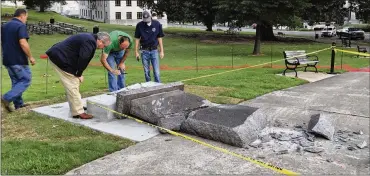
(42, 8)
(208, 21)
(209, 26)
(267, 33)
(257, 41)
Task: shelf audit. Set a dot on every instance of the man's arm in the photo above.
(23, 36)
(161, 47)
(137, 41)
(25, 47)
(160, 41)
(103, 60)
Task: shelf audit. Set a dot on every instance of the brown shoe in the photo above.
(6, 105)
(83, 116)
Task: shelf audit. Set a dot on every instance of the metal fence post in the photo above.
(196, 55)
(332, 59)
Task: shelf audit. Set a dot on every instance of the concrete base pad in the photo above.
(171, 155)
(125, 128)
(308, 76)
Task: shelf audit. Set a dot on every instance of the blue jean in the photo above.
(115, 82)
(20, 76)
(147, 58)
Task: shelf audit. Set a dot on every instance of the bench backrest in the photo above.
(299, 53)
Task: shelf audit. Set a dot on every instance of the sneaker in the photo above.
(83, 116)
(23, 106)
(6, 105)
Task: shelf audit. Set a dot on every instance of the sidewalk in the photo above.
(344, 98)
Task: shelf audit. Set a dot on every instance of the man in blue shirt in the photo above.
(16, 53)
(70, 58)
(149, 34)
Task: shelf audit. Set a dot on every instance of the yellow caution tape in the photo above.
(353, 52)
(254, 65)
(260, 163)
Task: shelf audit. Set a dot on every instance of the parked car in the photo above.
(353, 33)
(329, 31)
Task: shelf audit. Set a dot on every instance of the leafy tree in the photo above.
(176, 10)
(43, 4)
(265, 13)
(190, 10)
(325, 11)
(362, 10)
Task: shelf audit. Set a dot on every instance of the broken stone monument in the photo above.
(109, 100)
(321, 125)
(124, 98)
(167, 109)
(168, 106)
(236, 125)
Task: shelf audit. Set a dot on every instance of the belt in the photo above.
(150, 48)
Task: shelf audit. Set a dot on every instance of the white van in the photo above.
(329, 31)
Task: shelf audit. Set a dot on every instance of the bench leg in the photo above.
(285, 71)
(296, 74)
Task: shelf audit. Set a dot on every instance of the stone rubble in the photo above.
(314, 149)
(320, 125)
(362, 145)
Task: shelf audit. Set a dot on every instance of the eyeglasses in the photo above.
(105, 43)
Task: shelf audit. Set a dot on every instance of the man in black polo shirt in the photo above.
(16, 53)
(149, 34)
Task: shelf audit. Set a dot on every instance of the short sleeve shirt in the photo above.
(149, 35)
(114, 46)
(11, 33)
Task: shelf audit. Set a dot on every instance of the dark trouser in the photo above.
(20, 76)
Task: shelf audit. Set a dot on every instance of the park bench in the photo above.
(299, 59)
(362, 49)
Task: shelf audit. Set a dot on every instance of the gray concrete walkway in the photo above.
(343, 98)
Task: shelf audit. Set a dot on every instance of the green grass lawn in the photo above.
(34, 144)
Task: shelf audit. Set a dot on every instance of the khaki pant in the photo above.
(72, 86)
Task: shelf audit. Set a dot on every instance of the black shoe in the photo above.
(6, 105)
(23, 106)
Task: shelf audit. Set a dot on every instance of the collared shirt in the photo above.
(149, 34)
(11, 33)
(114, 46)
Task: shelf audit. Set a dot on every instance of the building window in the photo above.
(118, 2)
(101, 14)
(128, 2)
(118, 15)
(140, 3)
(139, 15)
(129, 15)
(106, 15)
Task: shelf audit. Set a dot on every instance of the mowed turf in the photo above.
(35, 144)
